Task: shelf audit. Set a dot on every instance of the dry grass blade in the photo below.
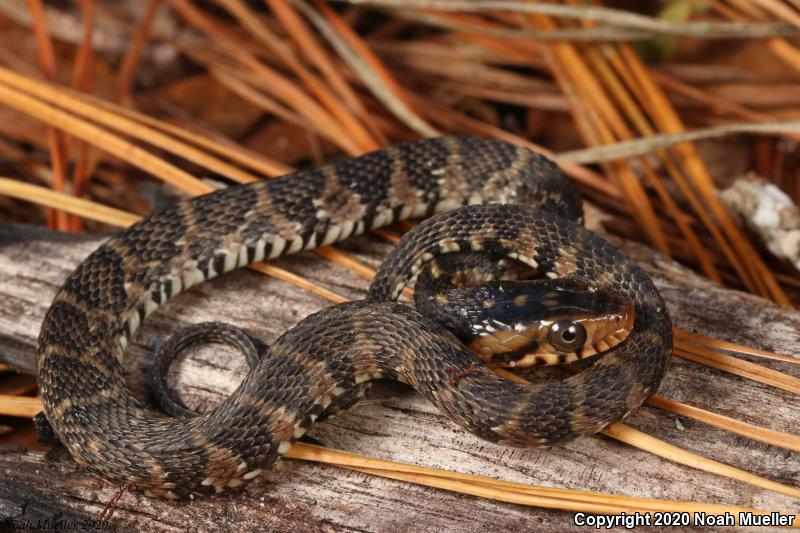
(347, 261)
(620, 91)
(614, 505)
(748, 264)
(780, 9)
(282, 87)
(600, 123)
(333, 456)
(82, 81)
(130, 60)
(637, 81)
(298, 281)
(249, 88)
(145, 128)
(231, 151)
(782, 48)
(314, 51)
(562, 34)
(714, 102)
(253, 24)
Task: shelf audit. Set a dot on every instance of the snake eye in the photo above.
(567, 336)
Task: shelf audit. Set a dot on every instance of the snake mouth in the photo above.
(604, 325)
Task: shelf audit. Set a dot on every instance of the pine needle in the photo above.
(616, 17)
(58, 156)
(740, 367)
(629, 148)
(121, 123)
(682, 337)
(673, 453)
(77, 206)
(366, 64)
(19, 406)
(750, 431)
(110, 143)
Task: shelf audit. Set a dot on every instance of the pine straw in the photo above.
(601, 122)
(613, 98)
(720, 345)
(658, 142)
(612, 17)
(366, 64)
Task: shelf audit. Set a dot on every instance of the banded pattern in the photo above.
(324, 363)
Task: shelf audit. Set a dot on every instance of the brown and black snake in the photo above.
(325, 362)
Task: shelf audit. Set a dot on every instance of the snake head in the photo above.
(529, 323)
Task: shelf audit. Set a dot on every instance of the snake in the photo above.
(486, 196)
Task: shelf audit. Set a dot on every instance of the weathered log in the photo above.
(393, 422)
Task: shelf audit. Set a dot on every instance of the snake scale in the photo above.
(325, 362)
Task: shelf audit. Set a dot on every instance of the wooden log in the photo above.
(393, 422)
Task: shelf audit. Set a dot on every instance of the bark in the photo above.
(393, 422)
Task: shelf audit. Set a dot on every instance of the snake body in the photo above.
(325, 362)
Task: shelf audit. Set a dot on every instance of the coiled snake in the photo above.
(324, 362)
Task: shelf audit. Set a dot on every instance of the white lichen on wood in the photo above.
(770, 213)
